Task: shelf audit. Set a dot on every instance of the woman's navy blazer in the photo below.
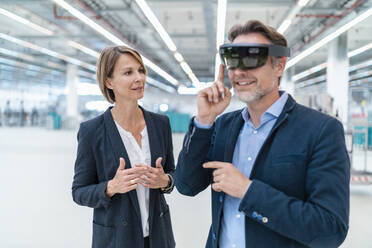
(117, 220)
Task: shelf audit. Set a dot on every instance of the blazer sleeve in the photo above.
(321, 220)
(169, 167)
(191, 177)
(86, 190)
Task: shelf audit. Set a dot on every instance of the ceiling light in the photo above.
(25, 22)
(163, 34)
(47, 51)
(157, 25)
(162, 86)
(113, 38)
(221, 22)
(83, 49)
(322, 66)
(294, 11)
(182, 90)
(163, 107)
(220, 38)
(284, 26)
(359, 50)
(328, 38)
(302, 3)
(178, 56)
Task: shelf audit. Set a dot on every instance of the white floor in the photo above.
(37, 210)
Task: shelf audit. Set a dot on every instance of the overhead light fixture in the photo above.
(359, 50)
(328, 38)
(83, 49)
(25, 22)
(284, 26)
(157, 84)
(302, 3)
(113, 38)
(29, 58)
(294, 11)
(186, 67)
(322, 66)
(164, 35)
(17, 54)
(182, 90)
(220, 38)
(47, 52)
(178, 56)
(157, 25)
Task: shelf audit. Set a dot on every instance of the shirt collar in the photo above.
(275, 109)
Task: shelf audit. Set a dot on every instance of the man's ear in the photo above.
(280, 65)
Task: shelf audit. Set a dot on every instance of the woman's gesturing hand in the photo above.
(124, 180)
(154, 178)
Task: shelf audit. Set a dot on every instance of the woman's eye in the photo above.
(141, 70)
(127, 73)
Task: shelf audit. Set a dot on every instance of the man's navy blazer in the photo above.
(299, 195)
(117, 220)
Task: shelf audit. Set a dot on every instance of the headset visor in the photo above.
(250, 55)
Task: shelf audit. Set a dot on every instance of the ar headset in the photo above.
(250, 55)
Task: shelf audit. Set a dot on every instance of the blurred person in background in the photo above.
(125, 161)
(279, 171)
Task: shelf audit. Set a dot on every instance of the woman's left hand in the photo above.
(154, 178)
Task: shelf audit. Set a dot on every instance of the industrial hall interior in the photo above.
(84, 83)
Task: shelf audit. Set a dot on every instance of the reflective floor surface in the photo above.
(37, 210)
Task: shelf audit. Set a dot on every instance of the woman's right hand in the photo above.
(124, 180)
(212, 101)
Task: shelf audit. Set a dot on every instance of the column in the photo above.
(72, 113)
(338, 76)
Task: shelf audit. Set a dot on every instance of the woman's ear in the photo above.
(108, 83)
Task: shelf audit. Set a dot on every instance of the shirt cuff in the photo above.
(199, 125)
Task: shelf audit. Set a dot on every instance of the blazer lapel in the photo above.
(232, 136)
(156, 151)
(288, 107)
(120, 151)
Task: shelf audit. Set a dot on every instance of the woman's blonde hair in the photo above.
(106, 64)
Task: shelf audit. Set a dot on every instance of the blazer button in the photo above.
(161, 214)
(213, 236)
(221, 198)
(124, 223)
(265, 219)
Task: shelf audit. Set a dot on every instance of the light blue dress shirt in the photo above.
(248, 145)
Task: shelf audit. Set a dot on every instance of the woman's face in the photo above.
(128, 79)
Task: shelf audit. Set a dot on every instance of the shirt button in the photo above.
(249, 158)
(254, 214)
(238, 216)
(255, 131)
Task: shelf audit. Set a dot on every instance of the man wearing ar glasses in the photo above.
(279, 171)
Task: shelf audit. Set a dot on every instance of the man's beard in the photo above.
(256, 95)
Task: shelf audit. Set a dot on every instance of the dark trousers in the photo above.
(147, 242)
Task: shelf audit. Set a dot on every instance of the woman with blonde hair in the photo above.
(125, 161)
